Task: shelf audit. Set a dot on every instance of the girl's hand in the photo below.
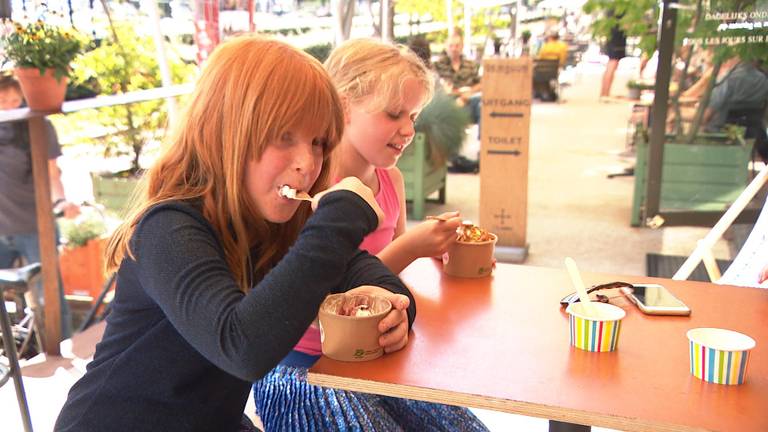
(433, 237)
(394, 326)
(353, 184)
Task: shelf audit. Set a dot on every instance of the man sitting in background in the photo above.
(554, 49)
(460, 76)
(741, 98)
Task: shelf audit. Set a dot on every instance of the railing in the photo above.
(45, 221)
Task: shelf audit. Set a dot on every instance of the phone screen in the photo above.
(655, 295)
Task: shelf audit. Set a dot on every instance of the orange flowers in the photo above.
(40, 45)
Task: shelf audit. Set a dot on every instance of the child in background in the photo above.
(383, 88)
(219, 274)
(18, 220)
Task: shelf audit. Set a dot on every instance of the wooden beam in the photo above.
(46, 236)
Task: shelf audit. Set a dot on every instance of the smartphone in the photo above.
(654, 299)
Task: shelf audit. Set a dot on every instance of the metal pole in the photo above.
(666, 38)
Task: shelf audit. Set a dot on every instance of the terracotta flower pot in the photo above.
(82, 270)
(352, 338)
(42, 92)
(470, 259)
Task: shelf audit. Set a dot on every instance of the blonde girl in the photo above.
(383, 88)
(218, 275)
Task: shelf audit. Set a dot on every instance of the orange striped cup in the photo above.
(719, 356)
(595, 327)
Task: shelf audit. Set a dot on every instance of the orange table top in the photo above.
(502, 343)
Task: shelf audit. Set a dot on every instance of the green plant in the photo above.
(129, 65)
(320, 51)
(40, 45)
(444, 123)
(635, 17)
(87, 226)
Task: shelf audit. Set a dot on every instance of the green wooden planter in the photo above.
(422, 177)
(114, 193)
(694, 177)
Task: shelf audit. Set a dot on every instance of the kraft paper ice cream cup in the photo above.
(470, 259)
(352, 338)
(598, 330)
(719, 356)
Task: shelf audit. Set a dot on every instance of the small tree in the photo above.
(129, 65)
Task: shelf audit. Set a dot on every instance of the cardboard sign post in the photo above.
(506, 119)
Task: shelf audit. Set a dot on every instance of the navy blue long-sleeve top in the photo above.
(183, 344)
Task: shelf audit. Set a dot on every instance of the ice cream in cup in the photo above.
(471, 255)
(595, 328)
(719, 356)
(349, 326)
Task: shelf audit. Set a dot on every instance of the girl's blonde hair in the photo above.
(368, 67)
(252, 90)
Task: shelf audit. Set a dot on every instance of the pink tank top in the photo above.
(373, 243)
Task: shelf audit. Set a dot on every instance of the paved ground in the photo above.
(573, 211)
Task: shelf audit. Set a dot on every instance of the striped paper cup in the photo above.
(719, 356)
(595, 327)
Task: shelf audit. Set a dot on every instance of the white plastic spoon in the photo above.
(573, 271)
(292, 193)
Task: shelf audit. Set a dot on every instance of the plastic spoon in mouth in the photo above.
(573, 272)
(291, 193)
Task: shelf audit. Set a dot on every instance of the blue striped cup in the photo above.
(719, 356)
(595, 327)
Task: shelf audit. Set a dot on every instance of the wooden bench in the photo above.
(421, 175)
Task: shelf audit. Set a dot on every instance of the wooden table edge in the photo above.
(476, 401)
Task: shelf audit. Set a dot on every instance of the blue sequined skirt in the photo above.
(286, 402)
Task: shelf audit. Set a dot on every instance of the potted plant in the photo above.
(41, 53)
(128, 134)
(81, 258)
(706, 175)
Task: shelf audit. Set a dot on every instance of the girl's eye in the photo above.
(286, 137)
(393, 116)
(320, 142)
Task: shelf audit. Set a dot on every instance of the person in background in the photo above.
(741, 98)
(554, 49)
(460, 76)
(18, 219)
(218, 273)
(615, 49)
(383, 88)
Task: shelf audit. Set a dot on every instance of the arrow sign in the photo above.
(505, 152)
(506, 114)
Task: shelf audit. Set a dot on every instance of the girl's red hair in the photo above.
(252, 90)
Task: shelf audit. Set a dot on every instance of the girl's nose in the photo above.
(407, 129)
(304, 158)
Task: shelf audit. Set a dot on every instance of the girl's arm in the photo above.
(180, 265)
(430, 238)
